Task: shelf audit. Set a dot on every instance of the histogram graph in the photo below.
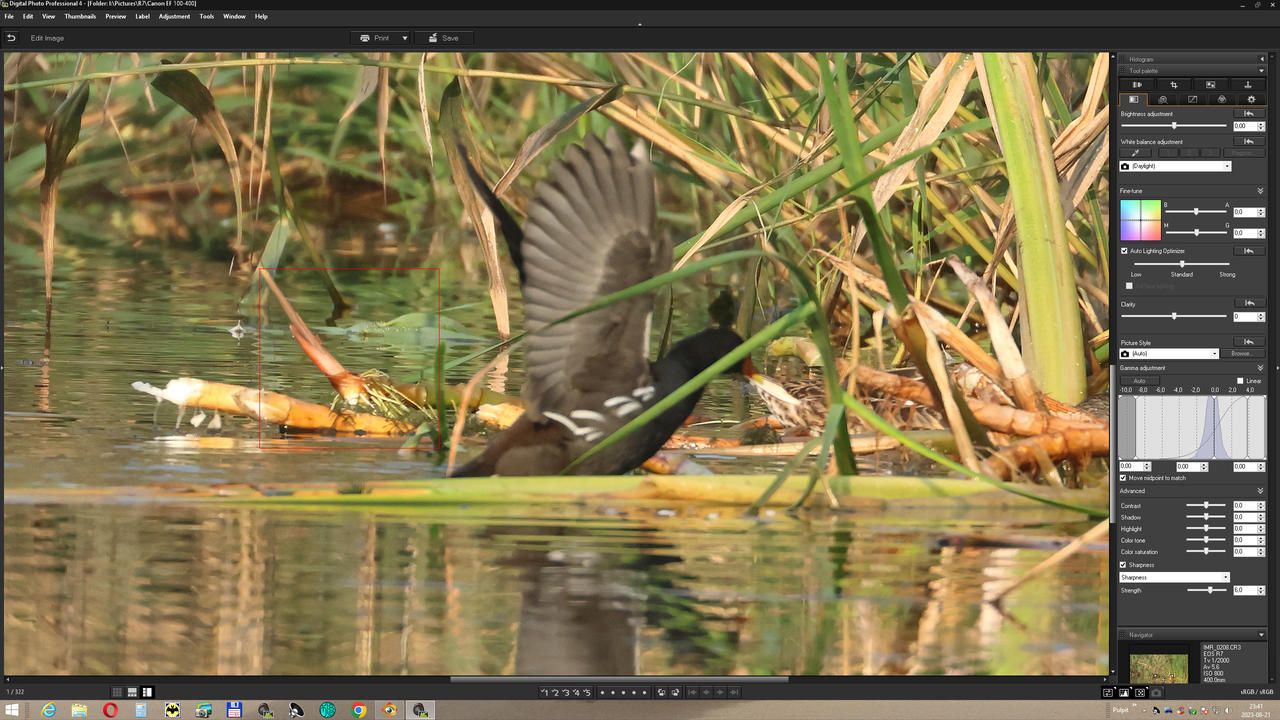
(1193, 427)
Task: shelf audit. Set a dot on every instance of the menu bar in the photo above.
(60, 17)
(133, 12)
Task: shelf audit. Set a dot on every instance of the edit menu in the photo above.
(1193, 348)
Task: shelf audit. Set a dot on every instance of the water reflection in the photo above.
(575, 590)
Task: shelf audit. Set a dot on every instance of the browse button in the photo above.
(451, 38)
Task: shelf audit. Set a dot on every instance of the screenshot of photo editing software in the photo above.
(366, 362)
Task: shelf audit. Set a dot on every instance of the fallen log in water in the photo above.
(269, 407)
(1033, 452)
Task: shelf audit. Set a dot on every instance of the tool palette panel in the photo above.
(1193, 285)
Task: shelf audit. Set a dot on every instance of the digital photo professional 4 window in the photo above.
(391, 362)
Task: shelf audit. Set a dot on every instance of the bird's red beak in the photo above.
(747, 368)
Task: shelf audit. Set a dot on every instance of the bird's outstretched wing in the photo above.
(590, 232)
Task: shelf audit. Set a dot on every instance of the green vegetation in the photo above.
(828, 190)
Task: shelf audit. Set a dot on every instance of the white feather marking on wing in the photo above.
(644, 393)
(593, 436)
(625, 410)
(591, 415)
(569, 424)
(617, 400)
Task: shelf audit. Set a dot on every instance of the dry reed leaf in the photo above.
(1093, 93)
(631, 74)
(1081, 176)
(725, 215)
(366, 82)
(971, 351)
(423, 106)
(1024, 390)
(1095, 325)
(258, 71)
(543, 136)
(747, 62)
(981, 66)
(669, 75)
(457, 135)
(951, 410)
(111, 118)
(60, 137)
(266, 133)
(935, 108)
(184, 88)
(383, 116)
(627, 115)
(798, 80)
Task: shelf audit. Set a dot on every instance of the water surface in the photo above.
(98, 582)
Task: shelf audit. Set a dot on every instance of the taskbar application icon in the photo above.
(239, 710)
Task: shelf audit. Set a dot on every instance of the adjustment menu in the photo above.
(1192, 232)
